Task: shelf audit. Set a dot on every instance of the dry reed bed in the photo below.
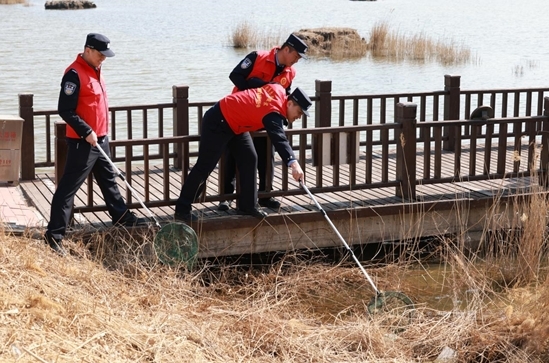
(391, 44)
(104, 304)
(346, 44)
(11, 2)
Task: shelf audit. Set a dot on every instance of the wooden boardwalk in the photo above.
(362, 216)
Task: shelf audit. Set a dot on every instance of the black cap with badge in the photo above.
(298, 44)
(100, 43)
(301, 99)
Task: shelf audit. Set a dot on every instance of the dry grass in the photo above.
(385, 43)
(348, 49)
(245, 35)
(10, 2)
(110, 302)
(346, 43)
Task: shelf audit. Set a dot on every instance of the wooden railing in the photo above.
(402, 167)
(379, 127)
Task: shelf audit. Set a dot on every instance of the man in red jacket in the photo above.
(255, 70)
(84, 107)
(228, 124)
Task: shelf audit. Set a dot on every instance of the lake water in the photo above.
(163, 43)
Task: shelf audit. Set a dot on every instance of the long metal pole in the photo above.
(340, 237)
(134, 193)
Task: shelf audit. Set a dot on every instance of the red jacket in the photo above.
(264, 68)
(93, 105)
(244, 110)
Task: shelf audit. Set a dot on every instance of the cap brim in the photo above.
(305, 112)
(107, 53)
(303, 55)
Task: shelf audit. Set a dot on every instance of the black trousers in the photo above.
(261, 147)
(82, 159)
(215, 138)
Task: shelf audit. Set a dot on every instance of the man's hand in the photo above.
(92, 139)
(297, 172)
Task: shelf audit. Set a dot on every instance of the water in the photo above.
(160, 44)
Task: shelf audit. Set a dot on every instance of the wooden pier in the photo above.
(392, 167)
(459, 209)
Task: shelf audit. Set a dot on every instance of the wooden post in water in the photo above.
(61, 149)
(406, 150)
(544, 157)
(451, 108)
(181, 126)
(26, 112)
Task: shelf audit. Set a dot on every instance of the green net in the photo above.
(389, 300)
(395, 310)
(176, 244)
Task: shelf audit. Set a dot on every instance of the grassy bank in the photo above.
(105, 304)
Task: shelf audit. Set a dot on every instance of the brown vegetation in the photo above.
(111, 302)
(385, 43)
(10, 2)
(245, 36)
(346, 43)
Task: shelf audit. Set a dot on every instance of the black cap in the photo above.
(298, 44)
(301, 99)
(99, 42)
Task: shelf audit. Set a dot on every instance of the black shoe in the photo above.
(55, 244)
(131, 220)
(185, 217)
(257, 213)
(269, 203)
(224, 205)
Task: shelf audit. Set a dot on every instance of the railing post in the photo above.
(26, 112)
(60, 157)
(406, 150)
(323, 118)
(544, 157)
(181, 125)
(451, 108)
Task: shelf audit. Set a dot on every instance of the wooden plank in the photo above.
(361, 215)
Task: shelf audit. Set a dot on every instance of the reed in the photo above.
(243, 35)
(346, 44)
(379, 36)
(514, 246)
(10, 2)
(387, 43)
(246, 35)
(111, 301)
(347, 48)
